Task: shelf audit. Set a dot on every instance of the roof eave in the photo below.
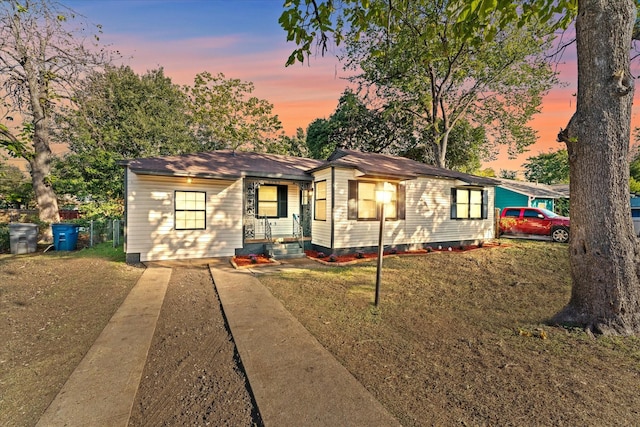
(382, 176)
(279, 176)
(546, 195)
(184, 174)
(288, 177)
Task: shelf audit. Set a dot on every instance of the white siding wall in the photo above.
(428, 214)
(321, 230)
(350, 233)
(428, 205)
(150, 218)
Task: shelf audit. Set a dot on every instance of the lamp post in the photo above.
(382, 197)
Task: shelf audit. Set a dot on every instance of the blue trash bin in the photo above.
(65, 236)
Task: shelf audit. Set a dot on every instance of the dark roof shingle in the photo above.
(226, 164)
(533, 189)
(385, 165)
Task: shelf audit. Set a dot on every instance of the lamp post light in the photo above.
(382, 197)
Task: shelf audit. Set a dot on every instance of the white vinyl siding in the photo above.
(151, 222)
(427, 217)
(321, 230)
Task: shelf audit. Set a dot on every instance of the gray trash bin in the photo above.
(23, 238)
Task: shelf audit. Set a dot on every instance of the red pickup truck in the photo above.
(534, 221)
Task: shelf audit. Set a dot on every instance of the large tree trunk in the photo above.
(35, 77)
(40, 162)
(604, 252)
(40, 170)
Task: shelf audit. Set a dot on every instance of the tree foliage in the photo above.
(634, 171)
(119, 115)
(488, 172)
(128, 115)
(290, 145)
(44, 49)
(226, 116)
(324, 23)
(15, 188)
(355, 126)
(412, 55)
(508, 174)
(468, 147)
(389, 129)
(318, 139)
(548, 168)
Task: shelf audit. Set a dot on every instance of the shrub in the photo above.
(253, 258)
(4, 238)
(321, 255)
(429, 249)
(333, 258)
(359, 254)
(393, 251)
(480, 244)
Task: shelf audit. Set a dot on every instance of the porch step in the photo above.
(284, 250)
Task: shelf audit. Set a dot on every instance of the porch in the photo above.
(276, 218)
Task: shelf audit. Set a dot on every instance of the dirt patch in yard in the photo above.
(459, 339)
(193, 375)
(52, 309)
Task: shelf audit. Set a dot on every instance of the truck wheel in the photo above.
(560, 234)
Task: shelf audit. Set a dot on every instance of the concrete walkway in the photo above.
(294, 379)
(101, 390)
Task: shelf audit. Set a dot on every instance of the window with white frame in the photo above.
(190, 210)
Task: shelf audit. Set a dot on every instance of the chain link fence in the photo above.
(95, 231)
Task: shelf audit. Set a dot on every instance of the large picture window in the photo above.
(363, 205)
(320, 207)
(190, 210)
(272, 201)
(468, 203)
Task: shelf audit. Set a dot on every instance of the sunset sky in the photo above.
(242, 39)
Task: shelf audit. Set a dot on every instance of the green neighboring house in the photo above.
(521, 193)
